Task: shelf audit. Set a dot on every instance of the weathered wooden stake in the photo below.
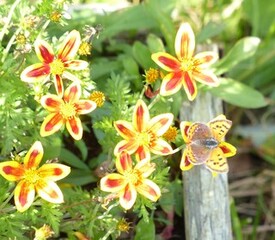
(206, 198)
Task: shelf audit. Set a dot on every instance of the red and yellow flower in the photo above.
(33, 179)
(185, 69)
(143, 135)
(56, 66)
(66, 111)
(131, 180)
(205, 145)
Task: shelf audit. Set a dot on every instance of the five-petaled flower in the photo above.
(205, 144)
(131, 180)
(33, 179)
(66, 111)
(57, 66)
(143, 135)
(186, 68)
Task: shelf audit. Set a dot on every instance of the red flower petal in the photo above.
(51, 124)
(36, 72)
(51, 102)
(166, 61)
(24, 195)
(74, 127)
(140, 116)
(72, 93)
(123, 162)
(171, 83)
(190, 86)
(85, 106)
(34, 156)
(44, 51)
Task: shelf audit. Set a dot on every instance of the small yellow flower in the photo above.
(123, 225)
(85, 49)
(55, 16)
(21, 39)
(43, 233)
(98, 97)
(151, 75)
(171, 134)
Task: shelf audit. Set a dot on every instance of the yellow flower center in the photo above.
(84, 49)
(123, 225)
(188, 64)
(31, 176)
(151, 75)
(21, 39)
(68, 110)
(133, 177)
(146, 138)
(57, 67)
(98, 97)
(170, 134)
(55, 16)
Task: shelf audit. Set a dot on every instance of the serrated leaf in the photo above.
(238, 94)
(142, 55)
(145, 230)
(243, 49)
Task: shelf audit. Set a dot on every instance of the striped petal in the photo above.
(171, 83)
(128, 197)
(189, 86)
(143, 153)
(51, 102)
(124, 162)
(228, 149)
(70, 46)
(149, 190)
(67, 75)
(44, 51)
(161, 147)
(72, 93)
(130, 146)
(74, 127)
(160, 123)
(76, 64)
(49, 191)
(185, 41)
(11, 170)
(58, 84)
(51, 124)
(185, 164)
(54, 171)
(112, 182)
(125, 129)
(35, 73)
(141, 116)
(184, 126)
(166, 61)
(205, 59)
(145, 167)
(85, 106)
(23, 195)
(34, 156)
(206, 77)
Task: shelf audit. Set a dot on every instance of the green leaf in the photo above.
(210, 30)
(238, 94)
(80, 177)
(155, 44)
(68, 157)
(145, 230)
(243, 49)
(130, 65)
(142, 55)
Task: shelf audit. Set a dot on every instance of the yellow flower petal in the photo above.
(206, 77)
(124, 162)
(140, 116)
(112, 182)
(76, 64)
(11, 170)
(166, 61)
(149, 190)
(85, 106)
(161, 147)
(171, 83)
(205, 59)
(23, 195)
(49, 191)
(44, 51)
(130, 146)
(160, 123)
(35, 73)
(184, 126)
(190, 86)
(185, 164)
(54, 171)
(51, 124)
(34, 156)
(72, 93)
(75, 128)
(125, 129)
(185, 41)
(128, 197)
(227, 149)
(51, 102)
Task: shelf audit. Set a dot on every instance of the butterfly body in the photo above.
(209, 143)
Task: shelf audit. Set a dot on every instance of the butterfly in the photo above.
(205, 144)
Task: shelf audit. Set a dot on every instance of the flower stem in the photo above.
(156, 99)
(4, 29)
(7, 200)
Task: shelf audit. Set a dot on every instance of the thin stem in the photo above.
(143, 90)
(108, 234)
(4, 29)
(11, 41)
(156, 99)
(43, 28)
(7, 200)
